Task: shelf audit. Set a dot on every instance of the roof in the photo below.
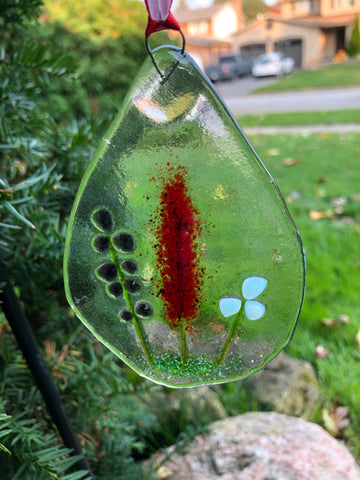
(308, 22)
(206, 42)
(186, 16)
(274, 9)
(328, 22)
(273, 18)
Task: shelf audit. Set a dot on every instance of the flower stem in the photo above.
(139, 328)
(234, 328)
(183, 342)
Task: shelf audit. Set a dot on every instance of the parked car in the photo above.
(275, 63)
(230, 66)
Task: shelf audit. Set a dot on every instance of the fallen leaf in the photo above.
(164, 473)
(342, 417)
(328, 322)
(272, 152)
(329, 422)
(291, 161)
(343, 319)
(321, 352)
(316, 215)
(320, 192)
(339, 202)
(357, 338)
(336, 419)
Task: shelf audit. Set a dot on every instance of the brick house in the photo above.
(311, 31)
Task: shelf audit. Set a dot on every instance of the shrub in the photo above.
(353, 48)
(41, 162)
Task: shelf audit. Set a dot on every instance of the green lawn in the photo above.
(340, 75)
(319, 175)
(300, 118)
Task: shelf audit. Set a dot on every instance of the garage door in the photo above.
(291, 47)
(252, 50)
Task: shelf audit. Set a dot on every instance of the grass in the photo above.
(340, 75)
(320, 177)
(300, 118)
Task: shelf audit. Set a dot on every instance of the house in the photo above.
(208, 30)
(311, 31)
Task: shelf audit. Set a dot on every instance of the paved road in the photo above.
(304, 129)
(240, 102)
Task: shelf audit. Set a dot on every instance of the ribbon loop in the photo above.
(158, 9)
(160, 17)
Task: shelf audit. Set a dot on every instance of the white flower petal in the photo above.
(254, 310)
(229, 306)
(253, 286)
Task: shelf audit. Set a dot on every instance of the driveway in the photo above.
(237, 96)
(242, 86)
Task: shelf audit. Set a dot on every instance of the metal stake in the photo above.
(25, 338)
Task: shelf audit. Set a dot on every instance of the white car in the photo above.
(275, 63)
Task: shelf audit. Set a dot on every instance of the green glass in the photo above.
(181, 255)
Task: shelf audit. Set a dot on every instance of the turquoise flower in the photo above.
(252, 287)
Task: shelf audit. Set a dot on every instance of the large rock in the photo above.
(287, 386)
(263, 446)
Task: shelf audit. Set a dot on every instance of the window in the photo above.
(342, 3)
(302, 6)
(199, 28)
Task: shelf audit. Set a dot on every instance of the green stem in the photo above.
(234, 328)
(183, 342)
(139, 328)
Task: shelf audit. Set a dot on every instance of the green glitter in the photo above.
(194, 367)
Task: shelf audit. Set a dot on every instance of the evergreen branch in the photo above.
(17, 11)
(36, 58)
(12, 210)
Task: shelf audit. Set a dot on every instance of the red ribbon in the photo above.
(160, 17)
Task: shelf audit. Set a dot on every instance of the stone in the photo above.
(262, 446)
(201, 402)
(198, 405)
(288, 386)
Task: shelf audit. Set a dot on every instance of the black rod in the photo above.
(25, 338)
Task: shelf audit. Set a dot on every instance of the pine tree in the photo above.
(31, 232)
(353, 48)
(253, 7)
(41, 162)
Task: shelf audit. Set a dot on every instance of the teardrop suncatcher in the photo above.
(181, 255)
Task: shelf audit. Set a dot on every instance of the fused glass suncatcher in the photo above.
(181, 255)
